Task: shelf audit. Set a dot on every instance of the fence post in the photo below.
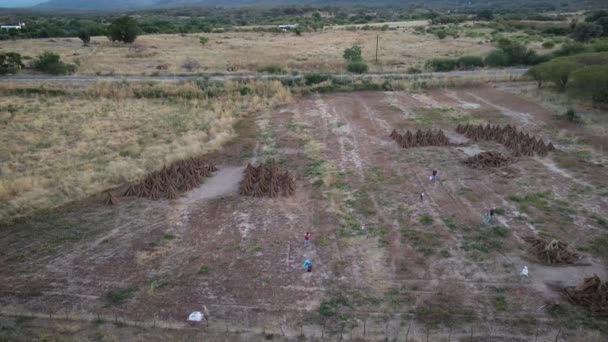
(558, 332)
(407, 332)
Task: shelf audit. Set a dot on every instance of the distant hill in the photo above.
(138, 4)
(97, 4)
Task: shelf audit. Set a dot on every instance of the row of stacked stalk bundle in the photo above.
(267, 180)
(420, 138)
(180, 176)
(519, 143)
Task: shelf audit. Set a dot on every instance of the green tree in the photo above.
(10, 63)
(584, 32)
(124, 29)
(353, 54)
(593, 79)
(85, 36)
(538, 73)
(486, 15)
(50, 63)
(559, 72)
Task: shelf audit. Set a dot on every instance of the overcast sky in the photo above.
(19, 3)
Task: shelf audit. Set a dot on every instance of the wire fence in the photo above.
(373, 327)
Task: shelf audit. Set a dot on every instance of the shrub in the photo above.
(470, 62)
(191, 64)
(413, 70)
(517, 53)
(272, 69)
(441, 34)
(497, 58)
(50, 63)
(442, 64)
(357, 67)
(124, 29)
(353, 54)
(203, 40)
(548, 45)
(570, 48)
(600, 46)
(10, 63)
(311, 79)
(571, 116)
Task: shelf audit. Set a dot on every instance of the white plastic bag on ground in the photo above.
(196, 316)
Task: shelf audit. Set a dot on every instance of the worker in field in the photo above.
(486, 216)
(306, 239)
(433, 177)
(307, 265)
(492, 211)
(421, 196)
(524, 275)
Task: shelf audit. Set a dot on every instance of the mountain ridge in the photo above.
(146, 4)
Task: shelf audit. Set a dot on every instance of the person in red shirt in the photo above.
(306, 239)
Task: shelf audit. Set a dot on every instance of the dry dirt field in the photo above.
(246, 52)
(428, 271)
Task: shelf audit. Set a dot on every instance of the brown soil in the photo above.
(427, 267)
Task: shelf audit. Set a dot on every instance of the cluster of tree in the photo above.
(584, 73)
(595, 25)
(47, 62)
(202, 19)
(512, 53)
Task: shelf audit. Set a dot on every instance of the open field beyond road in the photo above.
(429, 270)
(246, 52)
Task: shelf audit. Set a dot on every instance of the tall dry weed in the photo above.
(60, 148)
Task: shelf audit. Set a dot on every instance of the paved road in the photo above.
(93, 78)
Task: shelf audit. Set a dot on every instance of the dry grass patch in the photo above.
(250, 51)
(55, 149)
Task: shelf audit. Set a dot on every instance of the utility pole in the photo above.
(377, 39)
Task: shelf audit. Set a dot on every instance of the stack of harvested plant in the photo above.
(487, 159)
(183, 175)
(266, 180)
(592, 293)
(420, 138)
(552, 252)
(519, 143)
